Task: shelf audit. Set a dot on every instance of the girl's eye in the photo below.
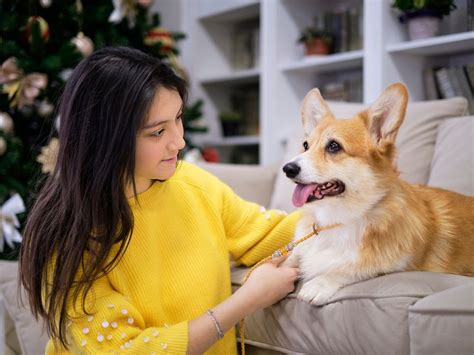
(305, 146)
(158, 133)
(180, 117)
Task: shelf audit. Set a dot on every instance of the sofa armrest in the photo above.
(251, 182)
(27, 333)
(443, 323)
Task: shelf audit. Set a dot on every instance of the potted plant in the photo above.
(423, 16)
(317, 42)
(231, 122)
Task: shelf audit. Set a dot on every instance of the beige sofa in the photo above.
(400, 313)
(415, 312)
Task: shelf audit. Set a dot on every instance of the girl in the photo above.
(126, 249)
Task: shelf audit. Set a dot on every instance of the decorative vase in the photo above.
(230, 128)
(422, 24)
(317, 46)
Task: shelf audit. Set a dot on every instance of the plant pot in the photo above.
(317, 46)
(230, 128)
(422, 24)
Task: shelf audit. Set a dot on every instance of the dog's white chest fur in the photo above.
(328, 251)
(323, 259)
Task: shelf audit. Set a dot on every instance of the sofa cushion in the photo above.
(251, 182)
(30, 332)
(415, 142)
(446, 319)
(369, 317)
(452, 166)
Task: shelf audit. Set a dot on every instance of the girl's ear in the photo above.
(314, 109)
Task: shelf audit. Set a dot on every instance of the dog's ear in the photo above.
(386, 114)
(314, 109)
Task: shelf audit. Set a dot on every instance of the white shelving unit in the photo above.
(332, 62)
(285, 75)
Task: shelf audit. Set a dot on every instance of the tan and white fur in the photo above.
(385, 224)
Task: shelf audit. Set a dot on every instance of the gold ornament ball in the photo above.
(43, 27)
(83, 44)
(6, 123)
(3, 146)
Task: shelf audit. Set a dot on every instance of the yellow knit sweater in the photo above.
(176, 266)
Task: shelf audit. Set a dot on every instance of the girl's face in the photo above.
(160, 140)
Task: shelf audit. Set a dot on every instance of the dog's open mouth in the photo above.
(312, 192)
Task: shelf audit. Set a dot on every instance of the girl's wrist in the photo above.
(249, 301)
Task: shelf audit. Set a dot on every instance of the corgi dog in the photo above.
(346, 177)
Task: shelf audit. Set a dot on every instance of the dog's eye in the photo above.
(333, 147)
(305, 146)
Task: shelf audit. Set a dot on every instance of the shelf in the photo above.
(332, 62)
(448, 44)
(239, 11)
(237, 77)
(237, 140)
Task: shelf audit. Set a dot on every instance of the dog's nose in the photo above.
(291, 170)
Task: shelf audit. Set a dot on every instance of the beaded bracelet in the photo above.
(220, 333)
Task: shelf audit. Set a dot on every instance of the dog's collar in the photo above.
(290, 246)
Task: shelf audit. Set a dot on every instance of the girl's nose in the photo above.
(177, 142)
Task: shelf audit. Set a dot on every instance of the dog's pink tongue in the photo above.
(301, 194)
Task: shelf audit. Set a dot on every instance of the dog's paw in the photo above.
(291, 261)
(317, 291)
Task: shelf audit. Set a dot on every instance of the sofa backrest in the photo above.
(425, 123)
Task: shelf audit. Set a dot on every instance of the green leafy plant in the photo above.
(230, 116)
(442, 7)
(309, 34)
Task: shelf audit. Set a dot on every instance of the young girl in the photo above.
(126, 249)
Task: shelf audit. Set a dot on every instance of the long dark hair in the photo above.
(82, 207)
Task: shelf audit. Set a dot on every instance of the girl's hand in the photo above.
(270, 282)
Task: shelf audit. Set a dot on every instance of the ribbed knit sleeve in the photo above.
(115, 325)
(253, 232)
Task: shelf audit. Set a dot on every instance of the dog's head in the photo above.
(347, 165)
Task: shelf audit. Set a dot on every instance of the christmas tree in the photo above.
(41, 42)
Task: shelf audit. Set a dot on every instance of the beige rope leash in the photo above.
(280, 252)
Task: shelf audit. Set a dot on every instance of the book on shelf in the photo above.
(355, 29)
(446, 82)
(470, 15)
(244, 99)
(246, 45)
(344, 27)
(469, 70)
(349, 90)
(430, 84)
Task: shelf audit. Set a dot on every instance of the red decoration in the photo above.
(43, 27)
(160, 35)
(210, 155)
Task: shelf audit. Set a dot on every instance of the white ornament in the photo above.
(193, 156)
(122, 9)
(65, 74)
(6, 123)
(83, 44)
(45, 108)
(46, 3)
(8, 213)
